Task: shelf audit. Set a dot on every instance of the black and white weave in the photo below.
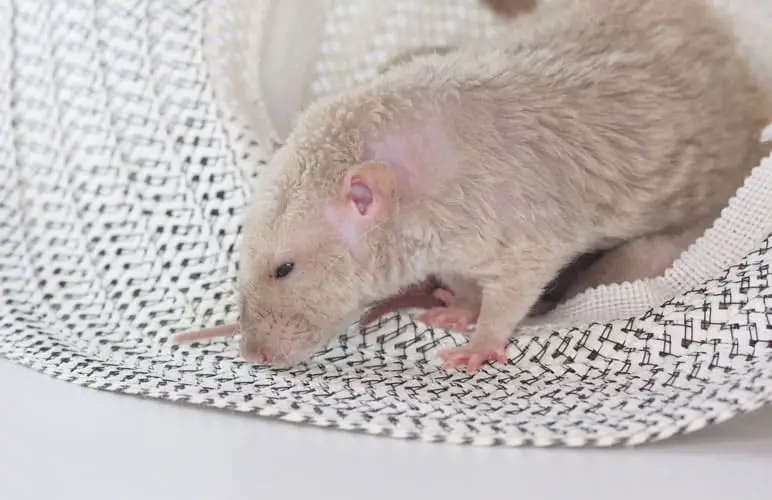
(120, 200)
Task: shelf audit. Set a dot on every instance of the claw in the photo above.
(473, 356)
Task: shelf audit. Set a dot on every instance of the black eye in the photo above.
(283, 270)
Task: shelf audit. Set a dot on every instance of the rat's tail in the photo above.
(208, 333)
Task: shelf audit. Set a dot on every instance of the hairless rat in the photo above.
(491, 167)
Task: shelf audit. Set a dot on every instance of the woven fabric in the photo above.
(129, 132)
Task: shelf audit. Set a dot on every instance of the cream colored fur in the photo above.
(595, 122)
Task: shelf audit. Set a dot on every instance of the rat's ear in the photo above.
(370, 191)
(366, 197)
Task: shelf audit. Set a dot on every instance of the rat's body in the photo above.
(493, 166)
(434, 296)
(639, 258)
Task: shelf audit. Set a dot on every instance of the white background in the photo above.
(61, 441)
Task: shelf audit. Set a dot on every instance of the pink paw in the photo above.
(451, 318)
(443, 296)
(473, 356)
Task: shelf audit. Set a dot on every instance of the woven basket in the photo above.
(128, 136)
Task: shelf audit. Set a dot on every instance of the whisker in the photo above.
(300, 333)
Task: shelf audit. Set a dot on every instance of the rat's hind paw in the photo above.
(456, 319)
(473, 355)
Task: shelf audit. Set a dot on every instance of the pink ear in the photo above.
(360, 195)
(369, 197)
(367, 201)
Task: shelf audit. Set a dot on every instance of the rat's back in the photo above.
(647, 100)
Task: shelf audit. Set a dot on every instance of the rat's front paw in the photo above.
(474, 354)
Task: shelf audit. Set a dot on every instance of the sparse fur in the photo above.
(593, 123)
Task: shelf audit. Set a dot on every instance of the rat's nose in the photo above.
(253, 352)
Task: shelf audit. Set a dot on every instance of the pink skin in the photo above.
(211, 333)
(437, 300)
(446, 316)
(440, 313)
(460, 319)
(207, 333)
(419, 295)
(473, 356)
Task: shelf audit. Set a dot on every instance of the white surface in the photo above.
(62, 441)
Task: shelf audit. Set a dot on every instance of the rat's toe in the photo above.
(472, 356)
(443, 295)
(450, 318)
(431, 316)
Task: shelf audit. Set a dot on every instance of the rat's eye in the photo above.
(283, 270)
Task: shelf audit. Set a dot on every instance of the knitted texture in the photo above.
(128, 136)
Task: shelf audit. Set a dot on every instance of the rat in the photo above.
(494, 166)
(431, 294)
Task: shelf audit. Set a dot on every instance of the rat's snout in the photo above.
(252, 351)
(273, 339)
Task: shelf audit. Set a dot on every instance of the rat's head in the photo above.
(307, 256)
